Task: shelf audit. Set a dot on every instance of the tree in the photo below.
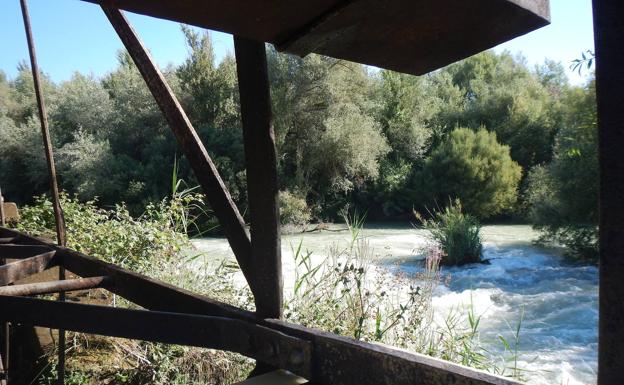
(473, 167)
(502, 95)
(563, 195)
(328, 139)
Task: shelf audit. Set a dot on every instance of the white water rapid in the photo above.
(558, 335)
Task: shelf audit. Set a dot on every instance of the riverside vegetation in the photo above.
(456, 233)
(343, 293)
(510, 140)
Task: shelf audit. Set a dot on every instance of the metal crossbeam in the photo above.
(56, 286)
(15, 271)
(15, 251)
(335, 360)
(255, 341)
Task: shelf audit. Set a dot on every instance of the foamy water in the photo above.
(558, 335)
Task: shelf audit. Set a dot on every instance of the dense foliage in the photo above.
(562, 195)
(474, 168)
(346, 134)
(455, 233)
(114, 235)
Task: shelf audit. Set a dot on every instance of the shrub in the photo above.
(475, 168)
(293, 209)
(154, 244)
(456, 233)
(114, 235)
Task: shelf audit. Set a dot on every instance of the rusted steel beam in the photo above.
(261, 165)
(59, 219)
(45, 132)
(14, 271)
(300, 34)
(3, 371)
(383, 365)
(4, 332)
(249, 339)
(188, 140)
(609, 40)
(57, 286)
(13, 251)
(344, 361)
(2, 222)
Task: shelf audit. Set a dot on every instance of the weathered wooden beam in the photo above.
(190, 143)
(57, 286)
(13, 251)
(383, 365)
(249, 339)
(262, 185)
(15, 271)
(609, 40)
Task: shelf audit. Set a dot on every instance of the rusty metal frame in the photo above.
(333, 359)
(244, 337)
(4, 326)
(323, 358)
(59, 219)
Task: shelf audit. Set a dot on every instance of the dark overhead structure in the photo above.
(411, 36)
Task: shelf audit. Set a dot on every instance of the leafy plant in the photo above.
(562, 196)
(472, 166)
(114, 235)
(586, 60)
(293, 209)
(456, 233)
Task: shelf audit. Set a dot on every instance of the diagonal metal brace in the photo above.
(190, 143)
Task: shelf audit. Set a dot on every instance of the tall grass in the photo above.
(455, 232)
(346, 294)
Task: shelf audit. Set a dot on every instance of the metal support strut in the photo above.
(58, 212)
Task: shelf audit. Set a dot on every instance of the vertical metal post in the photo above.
(4, 353)
(2, 220)
(262, 184)
(58, 212)
(609, 40)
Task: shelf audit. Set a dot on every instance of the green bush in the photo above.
(293, 209)
(473, 167)
(114, 235)
(456, 234)
(562, 196)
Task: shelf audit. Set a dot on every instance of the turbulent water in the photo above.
(557, 302)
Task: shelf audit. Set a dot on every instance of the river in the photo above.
(559, 301)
